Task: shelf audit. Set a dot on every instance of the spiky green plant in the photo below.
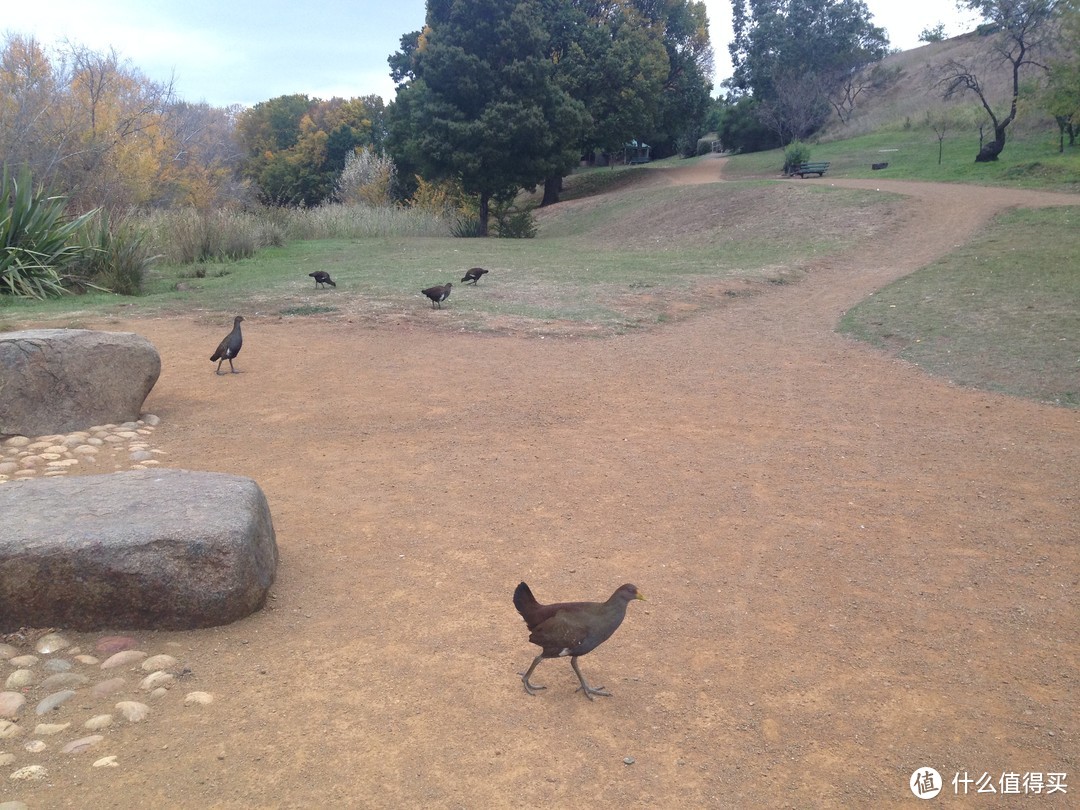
(36, 238)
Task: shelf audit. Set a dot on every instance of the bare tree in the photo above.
(1023, 29)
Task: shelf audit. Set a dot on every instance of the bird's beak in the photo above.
(641, 597)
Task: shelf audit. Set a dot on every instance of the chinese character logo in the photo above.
(925, 783)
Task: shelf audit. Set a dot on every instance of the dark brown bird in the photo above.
(322, 278)
(474, 274)
(571, 628)
(438, 293)
(230, 346)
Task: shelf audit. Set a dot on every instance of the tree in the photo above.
(613, 60)
(792, 55)
(296, 147)
(1023, 30)
(480, 102)
(91, 126)
(935, 34)
(1061, 96)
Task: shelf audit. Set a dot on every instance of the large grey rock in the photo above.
(160, 549)
(59, 380)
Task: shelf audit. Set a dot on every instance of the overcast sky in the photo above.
(243, 52)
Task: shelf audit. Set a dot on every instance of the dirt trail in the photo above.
(853, 570)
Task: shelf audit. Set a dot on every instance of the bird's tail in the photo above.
(525, 602)
(215, 356)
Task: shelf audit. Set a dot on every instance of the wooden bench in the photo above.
(811, 168)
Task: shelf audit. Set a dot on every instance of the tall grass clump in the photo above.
(37, 238)
(341, 221)
(189, 236)
(113, 256)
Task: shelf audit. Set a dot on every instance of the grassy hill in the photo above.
(913, 92)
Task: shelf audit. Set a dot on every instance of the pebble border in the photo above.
(126, 446)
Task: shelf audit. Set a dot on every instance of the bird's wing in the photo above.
(563, 631)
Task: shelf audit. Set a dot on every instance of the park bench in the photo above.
(811, 168)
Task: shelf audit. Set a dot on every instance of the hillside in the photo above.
(914, 90)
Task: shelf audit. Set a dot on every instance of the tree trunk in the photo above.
(552, 187)
(990, 151)
(485, 200)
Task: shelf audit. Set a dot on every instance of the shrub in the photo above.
(516, 224)
(466, 227)
(797, 152)
(37, 240)
(368, 178)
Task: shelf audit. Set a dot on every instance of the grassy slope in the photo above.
(1001, 313)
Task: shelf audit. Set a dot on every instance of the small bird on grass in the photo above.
(571, 628)
(322, 278)
(474, 274)
(230, 346)
(438, 293)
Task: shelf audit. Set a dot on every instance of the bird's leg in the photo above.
(588, 690)
(218, 370)
(233, 370)
(531, 688)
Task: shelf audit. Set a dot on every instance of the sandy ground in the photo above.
(853, 570)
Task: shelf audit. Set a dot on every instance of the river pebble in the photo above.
(8, 730)
(123, 659)
(48, 729)
(55, 701)
(156, 662)
(114, 644)
(23, 660)
(105, 762)
(11, 703)
(117, 447)
(20, 679)
(109, 687)
(31, 772)
(156, 680)
(64, 680)
(81, 744)
(98, 722)
(7, 651)
(133, 711)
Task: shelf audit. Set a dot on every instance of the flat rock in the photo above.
(147, 549)
(61, 380)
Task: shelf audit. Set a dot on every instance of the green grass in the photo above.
(1027, 162)
(1001, 313)
(615, 265)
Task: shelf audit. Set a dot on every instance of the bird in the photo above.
(230, 346)
(571, 628)
(474, 274)
(322, 277)
(438, 293)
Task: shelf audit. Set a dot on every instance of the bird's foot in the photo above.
(530, 687)
(593, 690)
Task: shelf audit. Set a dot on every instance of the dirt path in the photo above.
(853, 570)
